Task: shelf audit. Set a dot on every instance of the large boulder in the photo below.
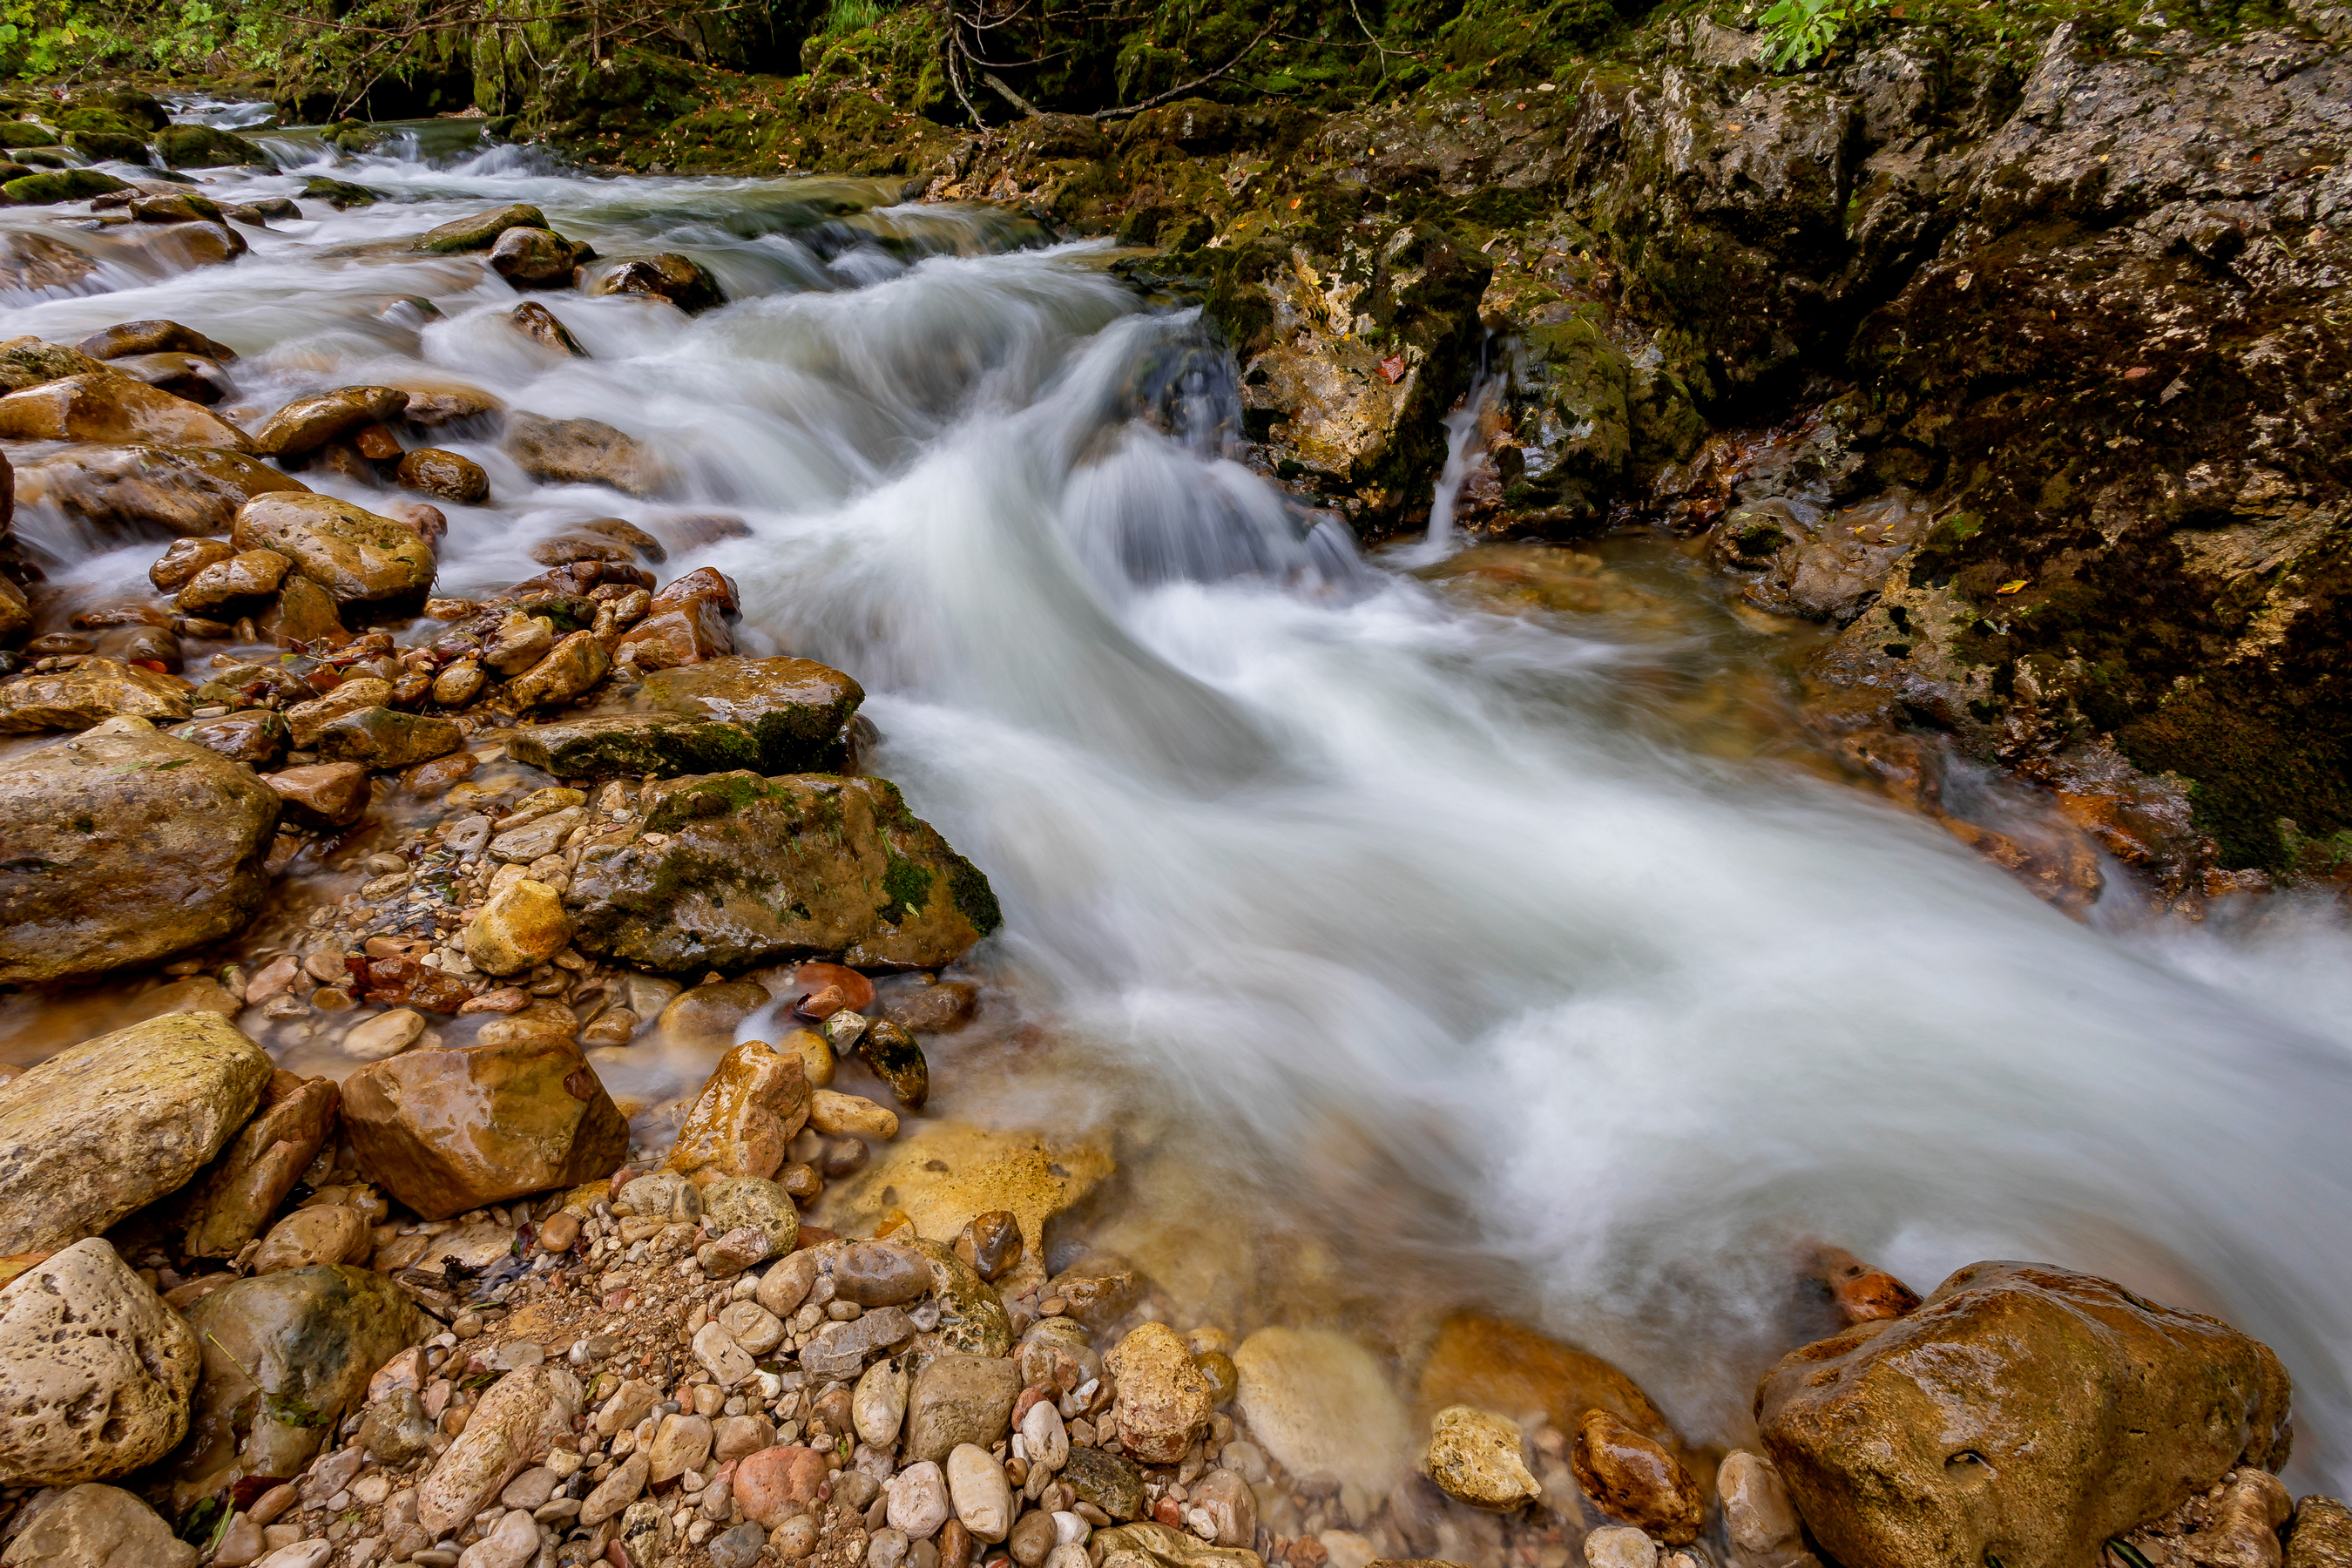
(95, 1371)
(451, 1130)
(2022, 1412)
(125, 845)
(185, 490)
(481, 230)
(744, 868)
(795, 708)
(92, 1527)
(90, 693)
(109, 1126)
(349, 551)
(107, 406)
(204, 147)
(285, 1355)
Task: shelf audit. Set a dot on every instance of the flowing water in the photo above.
(1421, 946)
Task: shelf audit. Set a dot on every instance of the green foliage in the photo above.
(1799, 32)
(76, 39)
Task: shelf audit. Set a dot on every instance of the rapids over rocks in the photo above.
(1431, 926)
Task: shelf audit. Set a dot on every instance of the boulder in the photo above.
(30, 361)
(386, 738)
(204, 147)
(192, 376)
(152, 335)
(517, 1423)
(448, 475)
(173, 1087)
(304, 614)
(577, 451)
(445, 1131)
(286, 1357)
(92, 1527)
(1319, 1404)
(323, 1233)
(545, 328)
(691, 634)
(1163, 1400)
(796, 710)
(325, 794)
(256, 737)
(2022, 1411)
(2322, 1536)
(90, 693)
(108, 407)
(745, 1115)
(480, 231)
(533, 259)
(1636, 1478)
(682, 280)
(960, 1399)
(309, 422)
(751, 868)
(355, 555)
(633, 745)
(233, 1199)
(125, 845)
(54, 186)
(245, 576)
(95, 1371)
(574, 665)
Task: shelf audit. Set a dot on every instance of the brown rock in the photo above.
(324, 1233)
(246, 576)
(2322, 1537)
(703, 585)
(746, 1116)
(1499, 1366)
(1163, 1400)
(234, 1197)
(187, 491)
(574, 665)
(775, 1484)
(1636, 1478)
(426, 780)
(693, 633)
(151, 336)
(305, 720)
(1863, 1294)
(192, 376)
(522, 925)
(532, 257)
(355, 555)
(326, 795)
(680, 280)
(2233, 1525)
(256, 737)
(445, 474)
(879, 1274)
(95, 1371)
(386, 738)
(2022, 1411)
(435, 404)
(185, 560)
(995, 1243)
(304, 613)
(90, 693)
(541, 326)
(581, 451)
(109, 406)
(309, 422)
(447, 1130)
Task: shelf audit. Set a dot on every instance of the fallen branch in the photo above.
(1184, 87)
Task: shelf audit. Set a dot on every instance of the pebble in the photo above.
(982, 1496)
(530, 1490)
(682, 1443)
(886, 1549)
(720, 1356)
(919, 1502)
(559, 1232)
(1475, 1458)
(615, 1491)
(1033, 1537)
(511, 1542)
(1619, 1546)
(737, 1548)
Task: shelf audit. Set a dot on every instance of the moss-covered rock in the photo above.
(204, 146)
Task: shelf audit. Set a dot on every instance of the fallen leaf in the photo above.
(1392, 367)
(2011, 587)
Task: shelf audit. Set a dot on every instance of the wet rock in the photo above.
(30, 361)
(924, 1005)
(204, 147)
(386, 738)
(1110, 1482)
(633, 745)
(1860, 1292)
(775, 1484)
(112, 407)
(1319, 1404)
(880, 1274)
(850, 1115)
(574, 665)
(94, 1527)
(996, 1244)
(448, 475)
(325, 1233)
(385, 1035)
(233, 1199)
(1148, 1545)
(840, 1349)
(2235, 1522)
(90, 693)
(481, 230)
(898, 1061)
(1495, 1365)
(185, 559)
(982, 1498)
(1230, 1504)
(305, 720)
(245, 576)
(304, 615)
(960, 1399)
(522, 925)
(741, 1202)
(692, 634)
(795, 709)
(731, 869)
(95, 1371)
(447, 1131)
(309, 422)
(286, 1356)
(1620, 1546)
(1636, 1478)
(543, 327)
(126, 340)
(174, 1087)
(355, 555)
(325, 794)
(55, 185)
(1163, 1402)
(1476, 1458)
(519, 1422)
(680, 280)
(579, 451)
(1759, 1521)
(340, 194)
(2085, 1412)
(185, 490)
(192, 376)
(745, 1115)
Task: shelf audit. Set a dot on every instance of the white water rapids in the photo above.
(1347, 873)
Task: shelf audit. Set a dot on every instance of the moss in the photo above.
(974, 897)
(905, 885)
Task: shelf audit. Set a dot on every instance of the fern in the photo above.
(1799, 32)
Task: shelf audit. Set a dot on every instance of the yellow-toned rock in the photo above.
(107, 406)
(90, 693)
(354, 554)
(305, 720)
(1476, 1458)
(745, 1115)
(95, 1371)
(1163, 1399)
(520, 925)
(842, 1114)
(329, 1233)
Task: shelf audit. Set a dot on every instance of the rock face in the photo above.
(93, 1527)
(125, 846)
(751, 868)
(110, 407)
(2022, 1412)
(286, 1357)
(173, 1087)
(352, 554)
(447, 1130)
(186, 490)
(95, 1371)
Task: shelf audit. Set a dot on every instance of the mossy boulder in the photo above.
(480, 231)
(733, 869)
(204, 147)
(55, 185)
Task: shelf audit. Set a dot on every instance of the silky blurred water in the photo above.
(1385, 898)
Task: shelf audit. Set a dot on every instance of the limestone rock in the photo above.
(574, 665)
(175, 1089)
(1620, 1546)
(580, 451)
(960, 1399)
(2022, 1410)
(1319, 1403)
(309, 422)
(95, 1371)
(1163, 1400)
(751, 868)
(2322, 1536)
(30, 361)
(236, 1195)
(750, 1108)
(692, 634)
(355, 555)
(286, 1357)
(977, 1487)
(520, 925)
(1758, 1520)
(1474, 1456)
(1636, 1478)
(775, 1484)
(92, 1527)
(1144, 1544)
(519, 1422)
(451, 476)
(2230, 1525)
(107, 406)
(738, 1202)
(919, 1502)
(972, 1320)
(446, 1130)
(90, 693)
(326, 795)
(305, 720)
(189, 491)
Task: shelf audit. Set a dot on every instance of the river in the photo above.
(1518, 957)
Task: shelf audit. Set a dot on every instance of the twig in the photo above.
(1011, 97)
(1186, 87)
